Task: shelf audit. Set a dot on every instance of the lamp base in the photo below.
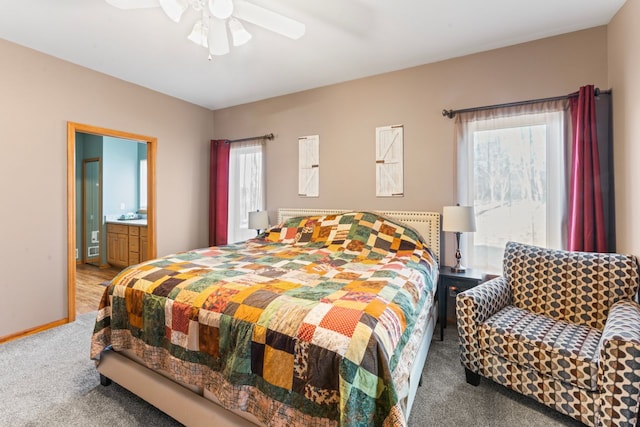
(458, 268)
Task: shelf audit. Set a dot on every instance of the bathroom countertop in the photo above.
(140, 222)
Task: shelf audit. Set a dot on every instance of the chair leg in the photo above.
(105, 381)
(472, 377)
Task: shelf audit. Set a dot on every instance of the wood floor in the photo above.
(88, 287)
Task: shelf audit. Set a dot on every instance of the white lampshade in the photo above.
(458, 219)
(199, 34)
(258, 220)
(238, 33)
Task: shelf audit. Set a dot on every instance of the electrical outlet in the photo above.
(122, 206)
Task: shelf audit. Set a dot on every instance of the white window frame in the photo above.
(552, 114)
(246, 188)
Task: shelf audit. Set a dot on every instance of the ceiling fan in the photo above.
(210, 31)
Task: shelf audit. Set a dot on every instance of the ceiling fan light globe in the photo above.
(199, 34)
(174, 8)
(239, 34)
(218, 39)
(221, 9)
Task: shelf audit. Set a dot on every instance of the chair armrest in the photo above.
(473, 307)
(486, 299)
(619, 363)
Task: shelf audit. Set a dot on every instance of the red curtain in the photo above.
(219, 192)
(586, 210)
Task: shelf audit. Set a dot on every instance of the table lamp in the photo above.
(458, 219)
(259, 220)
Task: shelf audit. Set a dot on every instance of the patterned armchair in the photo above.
(561, 327)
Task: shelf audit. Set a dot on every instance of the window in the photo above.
(511, 168)
(246, 188)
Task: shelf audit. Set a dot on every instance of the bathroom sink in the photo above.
(129, 217)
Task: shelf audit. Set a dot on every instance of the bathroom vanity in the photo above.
(127, 242)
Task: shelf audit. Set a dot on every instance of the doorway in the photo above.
(91, 235)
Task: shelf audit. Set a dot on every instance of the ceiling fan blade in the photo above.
(133, 4)
(272, 21)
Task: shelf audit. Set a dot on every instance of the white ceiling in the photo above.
(345, 40)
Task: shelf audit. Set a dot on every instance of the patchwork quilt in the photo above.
(303, 325)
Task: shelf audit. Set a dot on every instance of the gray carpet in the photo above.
(445, 399)
(47, 379)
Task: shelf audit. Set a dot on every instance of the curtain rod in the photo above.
(452, 113)
(251, 138)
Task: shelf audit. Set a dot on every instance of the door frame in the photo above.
(152, 143)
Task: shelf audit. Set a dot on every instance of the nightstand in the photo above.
(461, 282)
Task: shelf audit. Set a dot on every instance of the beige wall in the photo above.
(39, 94)
(624, 72)
(346, 115)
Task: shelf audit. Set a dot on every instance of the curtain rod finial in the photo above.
(448, 113)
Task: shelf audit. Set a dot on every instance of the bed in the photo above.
(325, 319)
